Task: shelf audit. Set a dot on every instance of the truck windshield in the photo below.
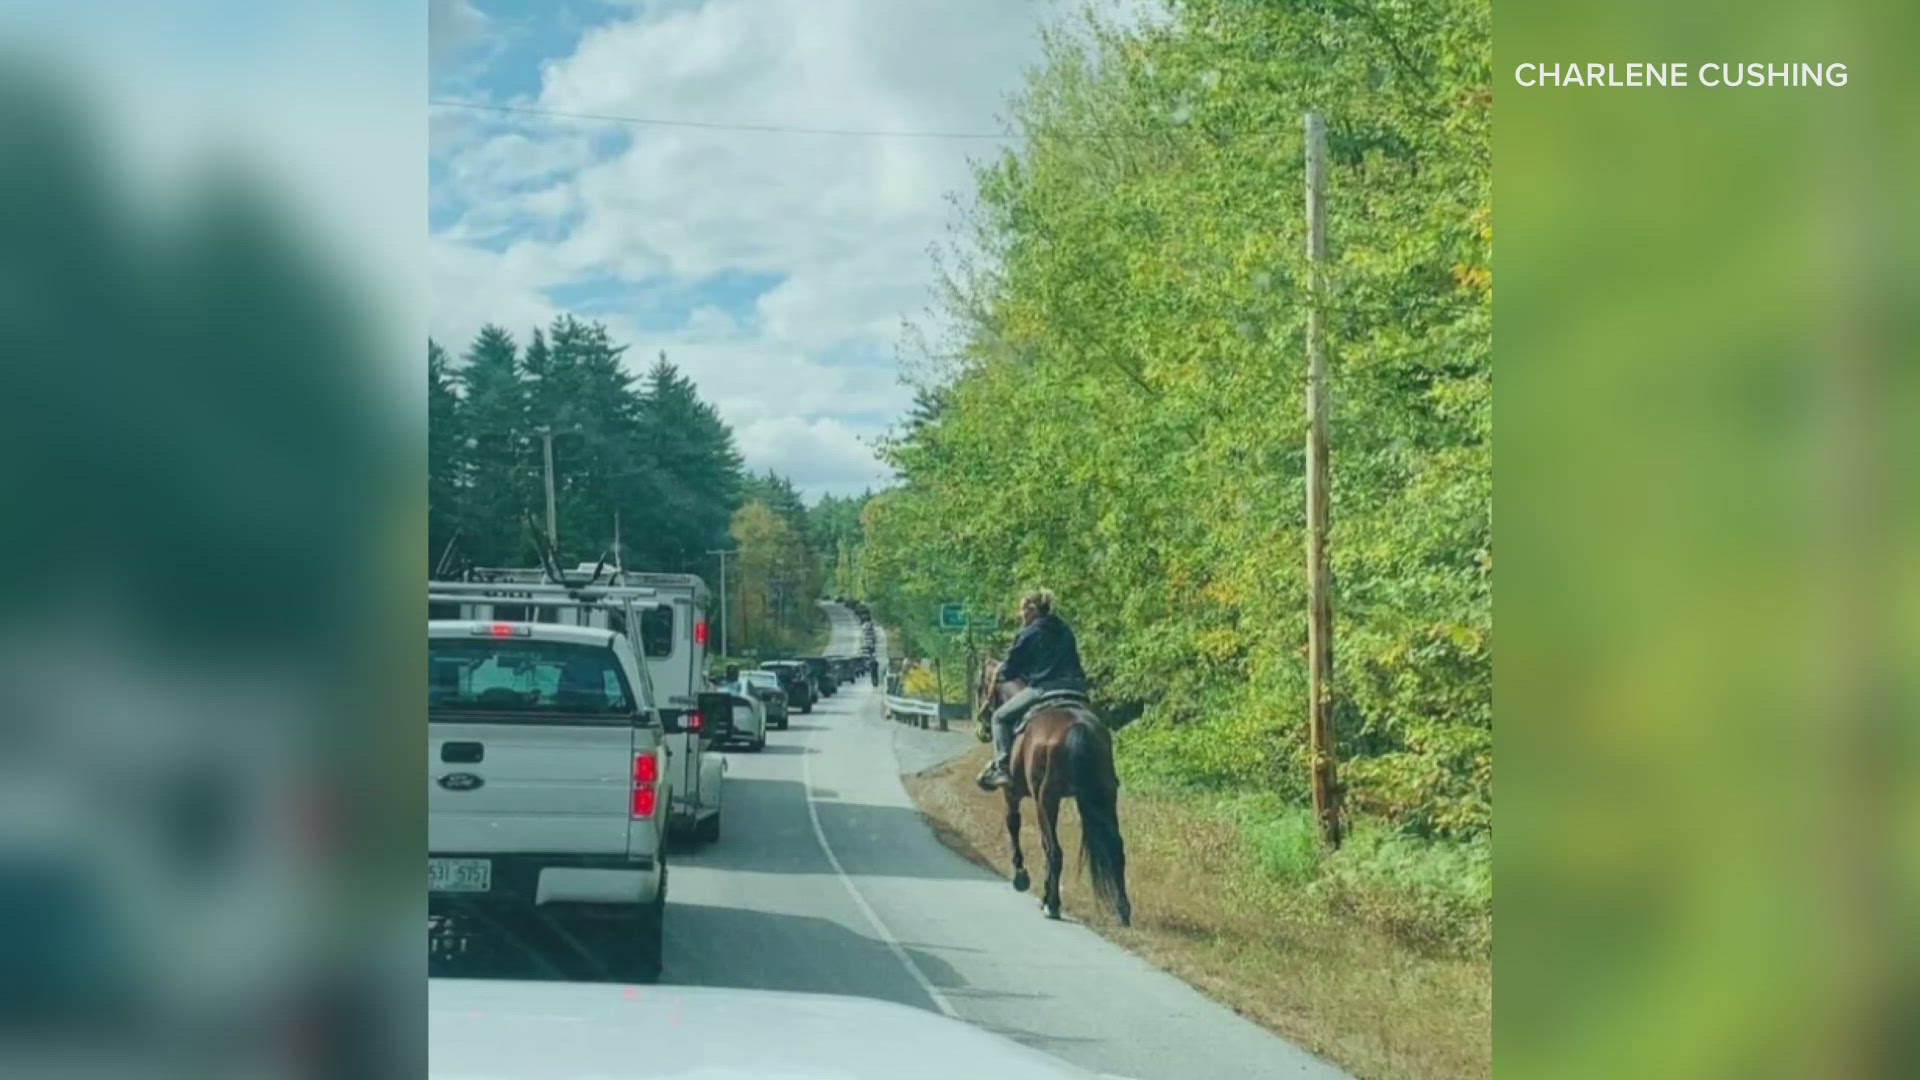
(556, 678)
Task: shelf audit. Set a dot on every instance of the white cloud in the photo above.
(817, 455)
(844, 223)
(504, 161)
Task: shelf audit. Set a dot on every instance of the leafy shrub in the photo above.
(1434, 894)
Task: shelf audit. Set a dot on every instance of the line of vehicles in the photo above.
(571, 723)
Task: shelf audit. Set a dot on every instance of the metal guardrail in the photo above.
(915, 711)
(920, 712)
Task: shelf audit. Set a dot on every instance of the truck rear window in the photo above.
(656, 631)
(554, 678)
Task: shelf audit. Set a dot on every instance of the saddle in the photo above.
(1055, 699)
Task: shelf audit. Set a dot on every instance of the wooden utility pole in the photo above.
(1326, 791)
(973, 676)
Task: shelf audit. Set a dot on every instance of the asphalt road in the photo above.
(826, 879)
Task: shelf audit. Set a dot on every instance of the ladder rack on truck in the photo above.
(585, 575)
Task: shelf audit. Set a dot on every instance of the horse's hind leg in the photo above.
(1020, 878)
(1050, 840)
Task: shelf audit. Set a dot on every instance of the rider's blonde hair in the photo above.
(1041, 599)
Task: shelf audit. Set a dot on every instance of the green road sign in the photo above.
(957, 618)
(953, 616)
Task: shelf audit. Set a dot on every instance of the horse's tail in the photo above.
(1097, 790)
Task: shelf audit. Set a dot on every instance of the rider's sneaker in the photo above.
(992, 778)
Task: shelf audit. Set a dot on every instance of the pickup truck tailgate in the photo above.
(513, 788)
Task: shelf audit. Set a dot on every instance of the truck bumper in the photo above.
(581, 885)
(535, 880)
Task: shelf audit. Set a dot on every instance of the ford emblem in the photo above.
(460, 781)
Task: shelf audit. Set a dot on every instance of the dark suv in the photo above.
(797, 680)
(822, 671)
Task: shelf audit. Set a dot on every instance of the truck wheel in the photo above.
(709, 830)
(758, 744)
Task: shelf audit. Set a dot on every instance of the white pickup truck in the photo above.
(665, 618)
(547, 785)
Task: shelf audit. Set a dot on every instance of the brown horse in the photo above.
(1064, 750)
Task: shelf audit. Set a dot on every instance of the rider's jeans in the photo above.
(1005, 719)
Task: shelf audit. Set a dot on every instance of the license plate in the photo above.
(459, 875)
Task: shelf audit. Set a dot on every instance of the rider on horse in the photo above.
(1044, 658)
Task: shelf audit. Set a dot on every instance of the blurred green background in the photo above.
(1705, 334)
(210, 226)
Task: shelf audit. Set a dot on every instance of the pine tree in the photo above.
(581, 391)
(446, 512)
(698, 483)
(652, 457)
(495, 449)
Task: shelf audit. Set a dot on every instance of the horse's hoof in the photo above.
(1051, 912)
(1021, 881)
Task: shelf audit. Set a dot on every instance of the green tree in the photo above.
(697, 482)
(494, 444)
(445, 456)
(1120, 415)
(771, 571)
(646, 460)
(578, 387)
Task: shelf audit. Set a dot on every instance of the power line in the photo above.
(704, 125)
(879, 133)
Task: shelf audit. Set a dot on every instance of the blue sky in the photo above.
(776, 269)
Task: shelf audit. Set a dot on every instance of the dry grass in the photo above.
(1351, 993)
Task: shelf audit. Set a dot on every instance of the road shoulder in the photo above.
(1349, 994)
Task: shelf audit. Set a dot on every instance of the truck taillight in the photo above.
(694, 720)
(646, 779)
(700, 633)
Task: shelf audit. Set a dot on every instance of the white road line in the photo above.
(873, 917)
